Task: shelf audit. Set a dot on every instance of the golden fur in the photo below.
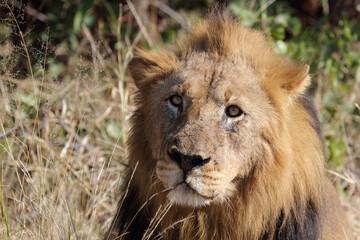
(260, 175)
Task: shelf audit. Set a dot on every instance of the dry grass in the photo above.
(62, 144)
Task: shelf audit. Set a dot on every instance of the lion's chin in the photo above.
(183, 195)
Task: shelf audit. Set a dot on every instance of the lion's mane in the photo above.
(283, 196)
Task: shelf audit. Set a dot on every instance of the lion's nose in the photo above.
(187, 162)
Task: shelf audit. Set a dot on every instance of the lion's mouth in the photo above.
(175, 156)
(184, 195)
(194, 191)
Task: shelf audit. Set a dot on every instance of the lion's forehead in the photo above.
(203, 77)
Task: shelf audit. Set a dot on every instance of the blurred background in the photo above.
(65, 96)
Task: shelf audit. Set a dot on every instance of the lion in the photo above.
(225, 144)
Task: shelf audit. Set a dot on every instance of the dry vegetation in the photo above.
(63, 133)
(62, 142)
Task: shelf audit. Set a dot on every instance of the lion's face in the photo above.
(205, 128)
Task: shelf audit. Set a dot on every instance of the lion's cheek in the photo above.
(155, 128)
(228, 163)
(168, 173)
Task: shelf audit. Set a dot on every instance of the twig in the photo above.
(29, 10)
(121, 202)
(347, 204)
(71, 218)
(5, 97)
(169, 11)
(8, 134)
(160, 235)
(94, 53)
(355, 179)
(23, 43)
(357, 106)
(252, 4)
(263, 8)
(156, 222)
(86, 186)
(144, 204)
(88, 146)
(140, 23)
(347, 179)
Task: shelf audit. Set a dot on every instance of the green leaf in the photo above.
(113, 130)
(282, 19)
(357, 74)
(295, 26)
(278, 32)
(78, 20)
(81, 15)
(28, 99)
(281, 47)
(89, 20)
(56, 69)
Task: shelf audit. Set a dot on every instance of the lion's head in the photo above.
(207, 124)
(209, 111)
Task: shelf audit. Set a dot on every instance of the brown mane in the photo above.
(282, 198)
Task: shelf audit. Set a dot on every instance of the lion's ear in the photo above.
(295, 79)
(286, 81)
(289, 77)
(146, 67)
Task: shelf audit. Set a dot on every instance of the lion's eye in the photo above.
(176, 100)
(234, 111)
